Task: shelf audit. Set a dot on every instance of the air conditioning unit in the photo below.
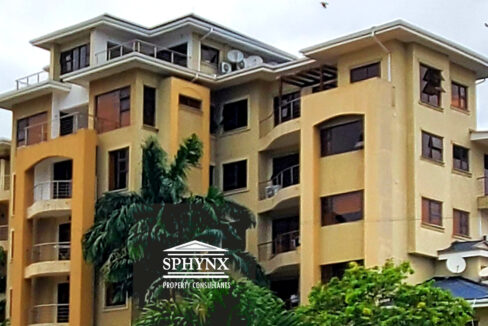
(225, 67)
(272, 190)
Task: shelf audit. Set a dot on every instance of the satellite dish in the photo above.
(484, 272)
(235, 56)
(456, 265)
(252, 61)
(225, 67)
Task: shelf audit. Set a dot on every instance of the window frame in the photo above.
(240, 127)
(209, 62)
(113, 306)
(429, 220)
(458, 223)
(190, 102)
(25, 140)
(122, 99)
(430, 143)
(459, 86)
(466, 162)
(423, 83)
(326, 202)
(112, 183)
(71, 52)
(325, 134)
(237, 188)
(145, 107)
(367, 75)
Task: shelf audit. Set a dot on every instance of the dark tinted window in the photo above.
(432, 146)
(342, 138)
(235, 175)
(342, 208)
(190, 101)
(460, 158)
(431, 211)
(459, 96)
(235, 115)
(430, 85)
(118, 169)
(365, 72)
(113, 110)
(210, 55)
(461, 223)
(75, 59)
(149, 106)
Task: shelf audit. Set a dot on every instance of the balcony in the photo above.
(280, 252)
(51, 199)
(3, 233)
(281, 191)
(49, 259)
(50, 314)
(4, 188)
(145, 48)
(483, 198)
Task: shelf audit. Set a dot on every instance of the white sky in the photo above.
(287, 24)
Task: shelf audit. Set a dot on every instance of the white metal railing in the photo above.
(72, 122)
(3, 232)
(288, 110)
(31, 79)
(283, 242)
(50, 313)
(285, 178)
(54, 189)
(143, 47)
(33, 134)
(51, 251)
(5, 182)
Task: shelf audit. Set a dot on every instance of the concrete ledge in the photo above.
(283, 135)
(286, 197)
(49, 208)
(48, 268)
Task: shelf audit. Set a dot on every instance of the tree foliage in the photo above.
(381, 296)
(244, 304)
(132, 228)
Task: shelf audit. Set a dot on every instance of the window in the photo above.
(459, 97)
(342, 208)
(365, 72)
(211, 175)
(460, 158)
(114, 295)
(235, 175)
(235, 115)
(431, 212)
(113, 110)
(431, 146)
(32, 130)
(75, 59)
(461, 223)
(190, 101)
(342, 138)
(118, 169)
(210, 55)
(335, 270)
(149, 106)
(430, 85)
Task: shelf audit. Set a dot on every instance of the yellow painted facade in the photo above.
(387, 168)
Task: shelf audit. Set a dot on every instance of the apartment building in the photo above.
(363, 149)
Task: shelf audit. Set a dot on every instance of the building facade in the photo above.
(363, 149)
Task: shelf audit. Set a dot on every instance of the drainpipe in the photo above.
(210, 31)
(373, 35)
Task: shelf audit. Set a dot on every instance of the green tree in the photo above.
(161, 215)
(244, 304)
(381, 296)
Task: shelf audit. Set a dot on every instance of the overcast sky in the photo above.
(287, 24)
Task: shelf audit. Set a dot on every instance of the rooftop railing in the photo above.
(143, 47)
(51, 313)
(52, 251)
(285, 178)
(31, 79)
(283, 242)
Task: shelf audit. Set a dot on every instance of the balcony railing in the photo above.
(288, 110)
(71, 123)
(33, 134)
(52, 251)
(285, 178)
(5, 183)
(3, 232)
(284, 242)
(50, 313)
(484, 185)
(56, 189)
(143, 47)
(32, 79)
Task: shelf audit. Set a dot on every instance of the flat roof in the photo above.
(405, 32)
(187, 20)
